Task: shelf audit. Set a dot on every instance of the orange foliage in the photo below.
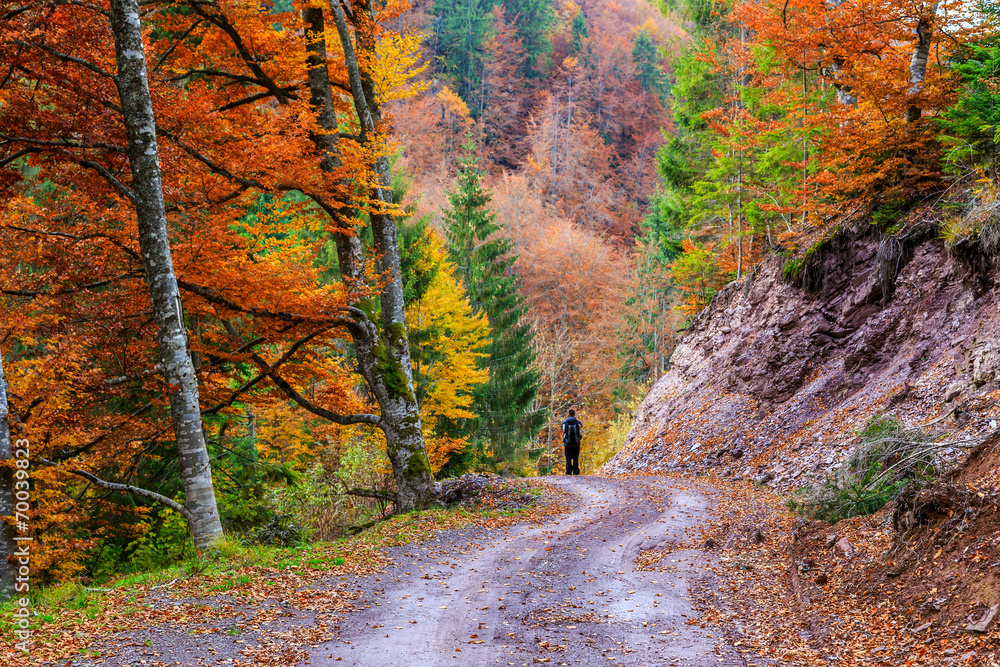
(235, 133)
(874, 140)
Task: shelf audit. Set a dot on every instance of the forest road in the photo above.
(566, 592)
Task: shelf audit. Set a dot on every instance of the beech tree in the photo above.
(383, 354)
(234, 121)
(199, 507)
(8, 568)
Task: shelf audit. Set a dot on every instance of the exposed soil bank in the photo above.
(773, 380)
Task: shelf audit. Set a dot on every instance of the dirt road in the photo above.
(566, 593)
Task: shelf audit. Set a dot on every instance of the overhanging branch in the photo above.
(126, 488)
(291, 392)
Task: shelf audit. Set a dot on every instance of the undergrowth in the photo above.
(890, 457)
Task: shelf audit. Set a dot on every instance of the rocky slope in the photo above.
(774, 380)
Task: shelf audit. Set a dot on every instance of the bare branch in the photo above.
(126, 488)
(253, 98)
(21, 153)
(365, 493)
(248, 58)
(291, 392)
(214, 297)
(67, 58)
(109, 177)
(72, 290)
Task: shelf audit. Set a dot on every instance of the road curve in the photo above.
(564, 593)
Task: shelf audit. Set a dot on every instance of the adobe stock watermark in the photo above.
(22, 554)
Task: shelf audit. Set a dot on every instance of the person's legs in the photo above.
(572, 460)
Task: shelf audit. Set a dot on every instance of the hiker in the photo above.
(572, 434)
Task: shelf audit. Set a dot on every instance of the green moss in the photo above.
(418, 466)
(792, 269)
(392, 372)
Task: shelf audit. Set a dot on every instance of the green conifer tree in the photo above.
(647, 60)
(578, 29)
(462, 28)
(533, 19)
(506, 417)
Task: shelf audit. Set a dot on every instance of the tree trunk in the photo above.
(918, 63)
(383, 356)
(8, 569)
(154, 243)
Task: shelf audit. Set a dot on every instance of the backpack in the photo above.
(571, 435)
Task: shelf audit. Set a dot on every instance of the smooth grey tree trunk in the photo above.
(154, 243)
(383, 356)
(8, 570)
(918, 63)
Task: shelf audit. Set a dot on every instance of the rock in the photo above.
(757, 536)
(985, 621)
(844, 547)
(710, 543)
(725, 330)
(831, 539)
(923, 627)
(736, 453)
(948, 652)
(952, 392)
(821, 579)
(763, 478)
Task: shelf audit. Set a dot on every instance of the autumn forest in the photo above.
(271, 269)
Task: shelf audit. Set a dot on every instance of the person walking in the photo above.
(572, 431)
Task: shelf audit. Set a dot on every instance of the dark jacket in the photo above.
(570, 428)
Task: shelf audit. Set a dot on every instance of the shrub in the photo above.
(282, 530)
(890, 456)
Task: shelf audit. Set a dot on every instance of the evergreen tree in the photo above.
(578, 28)
(972, 126)
(462, 28)
(647, 60)
(533, 19)
(506, 420)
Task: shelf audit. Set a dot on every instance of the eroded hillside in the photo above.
(774, 380)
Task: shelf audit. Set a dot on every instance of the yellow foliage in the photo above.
(650, 28)
(283, 433)
(454, 105)
(397, 63)
(445, 367)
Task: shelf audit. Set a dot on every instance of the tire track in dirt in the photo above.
(565, 592)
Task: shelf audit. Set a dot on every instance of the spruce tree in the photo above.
(647, 61)
(462, 29)
(578, 28)
(533, 19)
(506, 418)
